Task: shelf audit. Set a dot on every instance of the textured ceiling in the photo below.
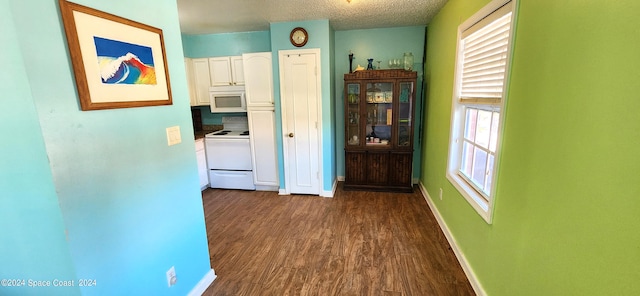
(225, 16)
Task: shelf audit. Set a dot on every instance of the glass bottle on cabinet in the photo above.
(379, 110)
(353, 111)
(405, 113)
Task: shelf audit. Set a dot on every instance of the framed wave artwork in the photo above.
(117, 62)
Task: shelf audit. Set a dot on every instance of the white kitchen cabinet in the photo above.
(258, 75)
(237, 70)
(225, 71)
(201, 81)
(262, 135)
(202, 164)
(188, 65)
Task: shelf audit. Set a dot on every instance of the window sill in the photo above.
(472, 196)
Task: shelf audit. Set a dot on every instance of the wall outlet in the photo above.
(440, 193)
(171, 276)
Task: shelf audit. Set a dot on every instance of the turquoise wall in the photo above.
(382, 45)
(566, 211)
(33, 243)
(209, 118)
(277, 38)
(227, 44)
(130, 205)
(319, 37)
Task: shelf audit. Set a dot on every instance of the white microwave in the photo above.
(227, 99)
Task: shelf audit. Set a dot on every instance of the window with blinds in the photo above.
(484, 57)
(484, 44)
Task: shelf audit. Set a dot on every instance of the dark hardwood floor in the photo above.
(357, 243)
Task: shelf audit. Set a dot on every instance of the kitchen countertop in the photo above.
(200, 135)
(206, 129)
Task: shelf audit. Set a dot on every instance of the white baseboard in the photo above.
(468, 271)
(203, 284)
(340, 178)
(331, 193)
(267, 188)
(323, 193)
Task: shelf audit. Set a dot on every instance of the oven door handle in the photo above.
(230, 173)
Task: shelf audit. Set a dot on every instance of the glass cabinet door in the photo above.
(379, 112)
(404, 114)
(353, 114)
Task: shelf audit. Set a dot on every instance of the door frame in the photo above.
(285, 148)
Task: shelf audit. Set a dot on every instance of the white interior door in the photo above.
(300, 88)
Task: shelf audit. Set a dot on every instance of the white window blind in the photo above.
(484, 53)
(479, 96)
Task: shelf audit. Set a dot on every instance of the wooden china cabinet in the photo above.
(379, 114)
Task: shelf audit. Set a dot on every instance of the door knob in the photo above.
(290, 135)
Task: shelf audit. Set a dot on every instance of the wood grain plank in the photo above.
(357, 243)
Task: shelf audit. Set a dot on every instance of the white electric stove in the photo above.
(229, 155)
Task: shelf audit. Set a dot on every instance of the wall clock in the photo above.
(299, 37)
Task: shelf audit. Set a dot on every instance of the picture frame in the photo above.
(117, 62)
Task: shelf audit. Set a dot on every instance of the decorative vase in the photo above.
(370, 65)
(408, 61)
(350, 62)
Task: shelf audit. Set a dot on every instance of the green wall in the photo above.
(93, 194)
(566, 213)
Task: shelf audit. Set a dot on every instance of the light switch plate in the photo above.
(173, 135)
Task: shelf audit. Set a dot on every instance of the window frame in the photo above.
(490, 152)
(481, 203)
